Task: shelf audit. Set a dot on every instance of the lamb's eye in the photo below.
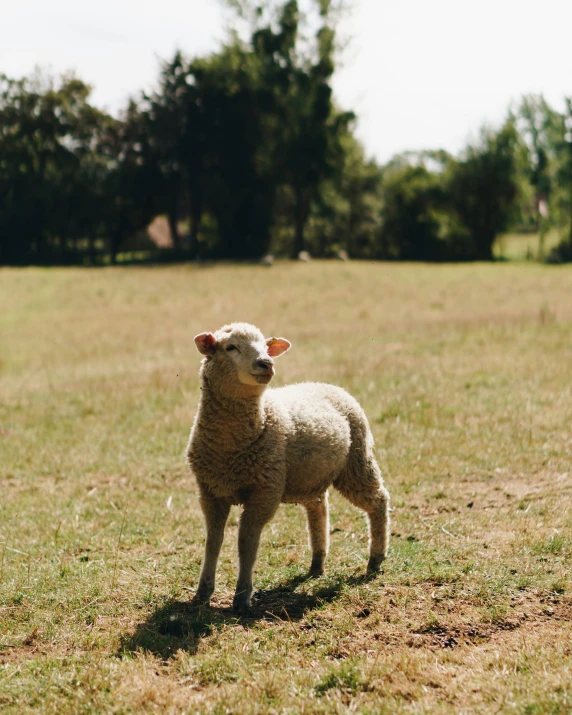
(231, 347)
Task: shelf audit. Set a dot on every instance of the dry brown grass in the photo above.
(466, 375)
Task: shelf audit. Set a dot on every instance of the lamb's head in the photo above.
(239, 359)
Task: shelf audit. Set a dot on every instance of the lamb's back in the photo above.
(316, 417)
(305, 397)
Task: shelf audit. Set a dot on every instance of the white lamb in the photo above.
(259, 447)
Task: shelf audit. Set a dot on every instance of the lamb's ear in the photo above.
(277, 346)
(206, 343)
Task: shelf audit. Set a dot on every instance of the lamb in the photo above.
(261, 447)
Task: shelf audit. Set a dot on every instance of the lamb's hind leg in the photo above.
(378, 515)
(370, 494)
(318, 528)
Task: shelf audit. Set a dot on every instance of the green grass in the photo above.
(465, 373)
(525, 246)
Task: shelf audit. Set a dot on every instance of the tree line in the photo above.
(244, 151)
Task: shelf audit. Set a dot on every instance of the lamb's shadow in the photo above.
(179, 625)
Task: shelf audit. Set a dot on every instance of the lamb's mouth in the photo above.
(263, 378)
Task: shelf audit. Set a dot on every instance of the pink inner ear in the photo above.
(205, 343)
(277, 346)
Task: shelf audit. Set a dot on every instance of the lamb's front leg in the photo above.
(216, 513)
(258, 510)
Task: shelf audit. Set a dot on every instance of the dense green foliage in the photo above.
(244, 152)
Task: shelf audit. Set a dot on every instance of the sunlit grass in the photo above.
(525, 246)
(465, 373)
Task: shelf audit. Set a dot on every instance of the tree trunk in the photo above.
(195, 209)
(91, 247)
(484, 246)
(115, 241)
(570, 234)
(194, 235)
(113, 246)
(300, 218)
(541, 237)
(172, 218)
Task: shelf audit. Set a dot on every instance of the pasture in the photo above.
(465, 372)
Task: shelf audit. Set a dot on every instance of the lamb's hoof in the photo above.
(374, 564)
(198, 601)
(202, 597)
(241, 603)
(316, 572)
(316, 566)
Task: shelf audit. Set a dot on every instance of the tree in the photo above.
(484, 184)
(182, 128)
(296, 72)
(47, 130)
(563, 176)
(131, 180)
(209, 131)
(413, 199)
(537, 125)
(346, 215)
(241, 188)
(167, 114)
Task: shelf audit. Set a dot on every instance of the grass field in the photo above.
(465, 373)
(525, 246)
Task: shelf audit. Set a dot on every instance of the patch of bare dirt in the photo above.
(15, 654)
(502, 488)
(535, 613)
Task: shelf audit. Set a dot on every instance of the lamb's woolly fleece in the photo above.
(259, 447)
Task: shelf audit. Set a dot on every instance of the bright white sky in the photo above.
(420, 74)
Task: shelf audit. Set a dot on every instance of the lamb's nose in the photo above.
(264, 363)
